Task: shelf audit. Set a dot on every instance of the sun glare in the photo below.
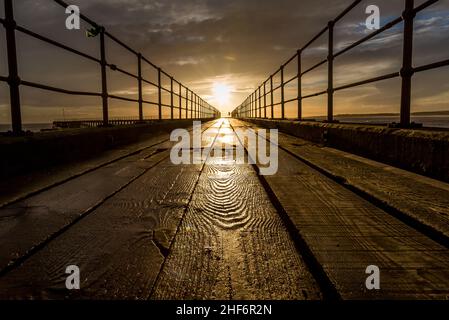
(222, 94)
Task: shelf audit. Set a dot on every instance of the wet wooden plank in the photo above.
(119, 247)
(27, 224)
(30, 222)
(232, 243)
(346, 234)
(423, 199)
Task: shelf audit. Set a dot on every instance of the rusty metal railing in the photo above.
(252, 107)
(189, 102)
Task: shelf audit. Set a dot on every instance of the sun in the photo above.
(221, 93)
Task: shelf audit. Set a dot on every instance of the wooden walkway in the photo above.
(140, 227)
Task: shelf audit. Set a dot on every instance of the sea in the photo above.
(430, 121)
(33, 127)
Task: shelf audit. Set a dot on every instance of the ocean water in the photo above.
(33, 127)
(430, 121)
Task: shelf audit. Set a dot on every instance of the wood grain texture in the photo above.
(423, 199)
(30, 222)
(232, 243)
(347, 233)
(110, 233)
(119, 247)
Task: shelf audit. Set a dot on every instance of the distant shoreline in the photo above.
(361, 115)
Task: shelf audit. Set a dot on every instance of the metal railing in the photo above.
(188, 101)
(252, 107)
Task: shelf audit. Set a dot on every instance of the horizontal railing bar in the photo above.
(55, 43)
(292, 79)
(150, 102)
(288, 61)
(121, 43)
(376, 79)
(149, 82)
(314, 38)
(291, 100)
(431, 66)
(165, 89)
(166, 74)
(315, 94)
(347, 10)
(122, 98)
(204, 107)
(388, 26)
(150, 63)
(82, 16)
(60, 90)
(276, 72)
(319, 64)
(113, 67)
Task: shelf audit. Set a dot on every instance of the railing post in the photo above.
(104, 80)
(250, 105)
(282, 94)
(407, 63)
(299, 85)
(139, 71)
(260, 102)
(330, 74)
(272, 97)
(201, 109)
(195, 111)
(254, 104)
(187, 103)
(13, 77)
(171, 99)
(180, 101)
(192, 104)
(159, 88)
(265, 99)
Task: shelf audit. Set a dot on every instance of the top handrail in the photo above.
(250, 108)
(195, 106)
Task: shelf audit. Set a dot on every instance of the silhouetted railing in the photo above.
(93, 123)
(189, 101)
(253, 106)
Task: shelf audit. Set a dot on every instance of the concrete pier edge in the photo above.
(42, 150)
(423, 151)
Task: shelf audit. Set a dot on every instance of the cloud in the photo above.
(238, 42)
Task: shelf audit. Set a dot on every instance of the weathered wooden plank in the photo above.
(232, 244)
(119, 247)
(27, 224)
(423, 199)
(346, 234)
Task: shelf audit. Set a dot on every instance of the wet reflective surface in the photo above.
(232, 243)
(143, 227)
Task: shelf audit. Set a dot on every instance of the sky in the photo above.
(223, 50)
